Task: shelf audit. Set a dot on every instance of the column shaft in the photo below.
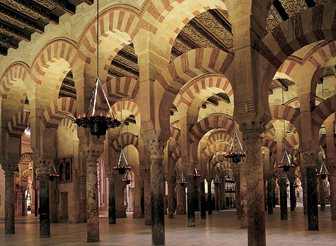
(82, 198)
(312, 199)
(209, 202)
(157, 199)
(44, 204)
(9, 203)
(203, 201)
(292, 197)
(191, 200)
(147, 195)
(171, 196)
(112, 207)
(322, 194)
(270, 197)
(92, 211)
(243, 195)
(283, 198)
(332, 180)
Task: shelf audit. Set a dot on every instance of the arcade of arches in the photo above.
(182, 76)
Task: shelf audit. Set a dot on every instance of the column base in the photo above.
(92, 240)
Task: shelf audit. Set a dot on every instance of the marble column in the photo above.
(322, 186)
(181, 199)
(137, 213)
(304, 190)
(112, 205)
(191, 200)
(44, 199)
(52, 198)
(312, 199)
(203, 200)
(209, 200)
(217, 197)
(120, 197)
(255, 190)
(332, 180)
(283, 198)
(157, 191)
(92, 211)
(292, 196)
(82, 198)
(171, 197)
(243, 194)
(147, 196)
(9, 202)
(270, 194)
(237, 195)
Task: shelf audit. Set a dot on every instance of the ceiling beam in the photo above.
(39, 9)
(213, 101)
(29, 23)
(283, 84)
(310, 3)
(65, 5)
(282, 12)
(8, 41)
(3, 51)
(13, 30)
(89, 2)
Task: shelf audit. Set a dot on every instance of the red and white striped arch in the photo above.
(18, 124)
(176, 154)
(207, 82)
(219, 136)
(192, 64)
(126, 105)
(123, 140)
(111, 20)
(57, 49)
(175, 133)
(213, 149)
(213, 121)
(121, 87)
(16, 71)
(323, 111)
(285, 112)
(58, 110)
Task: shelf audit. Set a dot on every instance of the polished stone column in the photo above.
(270, 198)
(322, 186)
(82, 198)
(209, 200)
(171, 196)
(237, 193)
(181, 199)
(332, 180)
(137, 213)
(9, 202)
(243, 194)
(255, 190)
(44, 199)
(312, 199)
(217, 197)
(292, 196)
(283, 198)
(112, 205)
(147, 196)
(120, 197)
(52, 198)
(191, 200)
(157, 191)
(304, 190)
(92, 211)
(203, 201)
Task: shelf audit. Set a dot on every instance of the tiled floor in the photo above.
(222, 228)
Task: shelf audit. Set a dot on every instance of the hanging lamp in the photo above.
(216, 180)
(126, 178)
(236, 153)
(122, 166)
(182, 180)
(286, 162)
(98, 123)
(196, 174)
(323, 171)
(53, 171)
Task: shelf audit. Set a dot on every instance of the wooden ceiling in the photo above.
(19, 19)
(281, 10)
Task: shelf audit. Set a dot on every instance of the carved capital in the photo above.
(155, 147)
(309, 158)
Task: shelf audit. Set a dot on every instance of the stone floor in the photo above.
(222, 228)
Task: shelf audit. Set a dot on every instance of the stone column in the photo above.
(243, 194)
(312, 199)
(82, 198)
(283, 197)
(236, 177)
(157, 190)
(181, 199)
(52, 198)
(191, 200)
(304, 190)
(332, 180)
(217, 196)
(270, 194)
(120, 197)
(9, 202)
(92, 211)
(147, 196)
(112, 205)
(209, 180)
(203, 201)
(292, 196)
(137, 213)
(44, 198)
(171, 196)
(255, 187)
(322, 186)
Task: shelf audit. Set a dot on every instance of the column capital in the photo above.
(309, 158)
